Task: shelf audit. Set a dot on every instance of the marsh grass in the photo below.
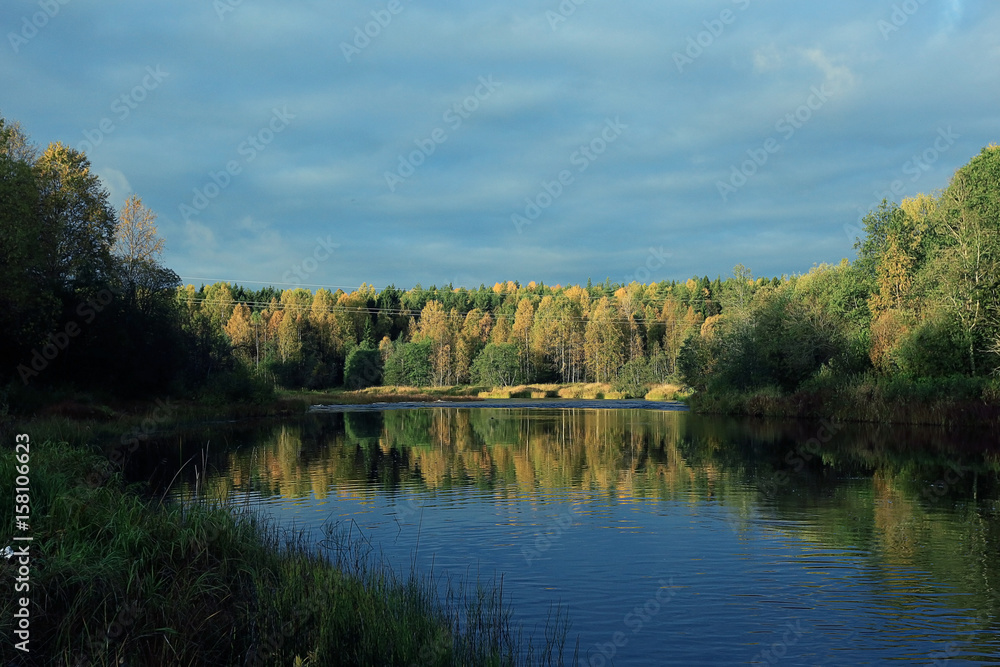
(121, 579)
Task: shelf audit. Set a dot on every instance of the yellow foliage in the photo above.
(710, 326)
(888, 329)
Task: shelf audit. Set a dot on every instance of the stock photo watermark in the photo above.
(603, 653)
(20, 554)
(223, 7)
(248, 149)
(786, 126)
(714, 28)
(363, 35)
(544, 542)
(900, 16)
(323, 251)
(915, 167)
(581, 158)
(122, 107)
(656, 259)
(453, 117)
(57, 342)
(779, 649)
(31, 25)
(562, 13)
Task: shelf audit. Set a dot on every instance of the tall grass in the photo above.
(119, 579)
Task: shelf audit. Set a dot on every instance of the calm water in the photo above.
(667, 538)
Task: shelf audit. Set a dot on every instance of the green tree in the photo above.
(363, 367)
(409, 365)
(967, 267)
(498, 365)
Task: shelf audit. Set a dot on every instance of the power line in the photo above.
(398, 312)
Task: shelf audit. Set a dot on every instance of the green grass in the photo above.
(120, 579)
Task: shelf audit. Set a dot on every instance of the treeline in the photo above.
(500, 335)
(85, 302)
(917, 307)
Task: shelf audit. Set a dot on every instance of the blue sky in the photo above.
(404, 141)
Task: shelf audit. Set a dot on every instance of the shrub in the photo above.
(633, 379)
(363, 367)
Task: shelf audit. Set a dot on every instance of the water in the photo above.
(667, 538)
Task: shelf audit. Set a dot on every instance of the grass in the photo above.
(941, 401)
(579, 390)
(119, 579)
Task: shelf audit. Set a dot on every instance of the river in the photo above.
(666, 538)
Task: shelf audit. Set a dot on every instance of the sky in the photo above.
(329, 144)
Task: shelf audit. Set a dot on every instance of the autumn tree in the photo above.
(605, 342)
(242, 335)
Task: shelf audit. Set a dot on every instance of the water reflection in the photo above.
(826, 543)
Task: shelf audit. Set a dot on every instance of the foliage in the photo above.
(363, 368)
(409, 365)
(922, 300)
(498, 365)
(633, 379)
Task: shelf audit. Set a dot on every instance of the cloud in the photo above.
(325, 173)
(117, 185)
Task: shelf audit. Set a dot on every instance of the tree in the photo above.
(436, 327)
(520, 334)
(968, 218)
(78, 222)
(363, 367)
(29, 308)
(604, 342)
(241, 334)
(409, 365)
(136, 239)
(498, 365)
(137, 248)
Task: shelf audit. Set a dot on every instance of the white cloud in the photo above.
(117, 185)
(839, 77)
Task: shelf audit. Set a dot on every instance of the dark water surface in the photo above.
(667, 538)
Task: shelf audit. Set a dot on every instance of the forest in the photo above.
(86, 304)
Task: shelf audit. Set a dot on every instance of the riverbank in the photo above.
(119, 579)
(577, 390)
(939, 402)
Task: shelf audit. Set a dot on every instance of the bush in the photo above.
(633, 379)
(934, 348)
(363, 368)
(239, 385)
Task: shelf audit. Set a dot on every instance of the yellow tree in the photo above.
(218, 304)
(605, 342)
(676, 329)
(467, 344)
(242, 335)
(436, 326)
(888, 329)
(136, 239)
(288, 339)
(297, 303)
(501, 330)
(520, 334)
